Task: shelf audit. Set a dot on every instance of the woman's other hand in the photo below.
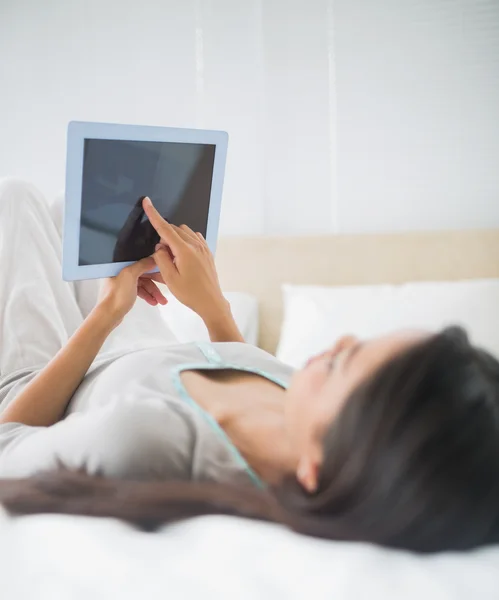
(187, 267)
(118, 294)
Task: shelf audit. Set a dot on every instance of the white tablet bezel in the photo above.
(78, 131)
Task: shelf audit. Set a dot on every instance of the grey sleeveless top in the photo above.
(131, 417)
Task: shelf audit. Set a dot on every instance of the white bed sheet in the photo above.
(52, 557)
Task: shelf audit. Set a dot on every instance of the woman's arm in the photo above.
(222, 326)
(44, 400)
(187, 267)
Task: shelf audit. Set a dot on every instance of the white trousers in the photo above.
(38, 310)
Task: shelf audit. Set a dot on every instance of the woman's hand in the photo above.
(137, 237)
(118, 294)
(149, 291)
(187, 267)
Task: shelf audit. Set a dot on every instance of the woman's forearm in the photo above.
(222, 327)
(44, 400)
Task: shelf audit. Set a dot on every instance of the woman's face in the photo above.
(319, 390)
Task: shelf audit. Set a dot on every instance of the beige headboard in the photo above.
(260, 265)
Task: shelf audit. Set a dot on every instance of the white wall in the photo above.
(344, 115)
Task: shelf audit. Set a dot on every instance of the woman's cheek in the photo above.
(308, 381)
(333, 398)
(303, 402)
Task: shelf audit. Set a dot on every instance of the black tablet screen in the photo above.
(117, 174)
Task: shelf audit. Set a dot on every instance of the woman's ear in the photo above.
(307, 471)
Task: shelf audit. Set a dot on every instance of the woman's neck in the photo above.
(250, 409)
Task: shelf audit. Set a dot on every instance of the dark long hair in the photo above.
(411, 462)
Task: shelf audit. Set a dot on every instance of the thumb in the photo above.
(165, 263)
(143, 266)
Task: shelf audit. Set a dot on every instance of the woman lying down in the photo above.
(393, 440)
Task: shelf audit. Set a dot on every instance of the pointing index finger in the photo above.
(163, 228)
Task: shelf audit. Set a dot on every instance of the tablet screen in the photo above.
(117, 174)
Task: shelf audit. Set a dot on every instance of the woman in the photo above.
(393, 441)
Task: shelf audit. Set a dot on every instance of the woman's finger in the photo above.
(183, 234)
(186, 229)
(156, 276)
(195, 239)
(164, 229)
(151, 288)
(141, 293)
(142, 266)
(203, 241)
(167, 265)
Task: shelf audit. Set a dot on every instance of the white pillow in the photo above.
(315, 317)
(189, 327)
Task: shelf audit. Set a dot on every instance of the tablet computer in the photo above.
(110, 168)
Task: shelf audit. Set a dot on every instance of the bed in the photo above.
(220, 557)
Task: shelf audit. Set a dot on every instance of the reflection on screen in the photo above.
(117, 174)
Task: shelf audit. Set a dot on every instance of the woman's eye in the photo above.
(341, 356)
(331, 363)
(345, 342)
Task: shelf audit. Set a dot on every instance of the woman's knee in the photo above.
(17, 194)
(56, 209)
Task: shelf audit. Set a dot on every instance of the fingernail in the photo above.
(147, 201)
